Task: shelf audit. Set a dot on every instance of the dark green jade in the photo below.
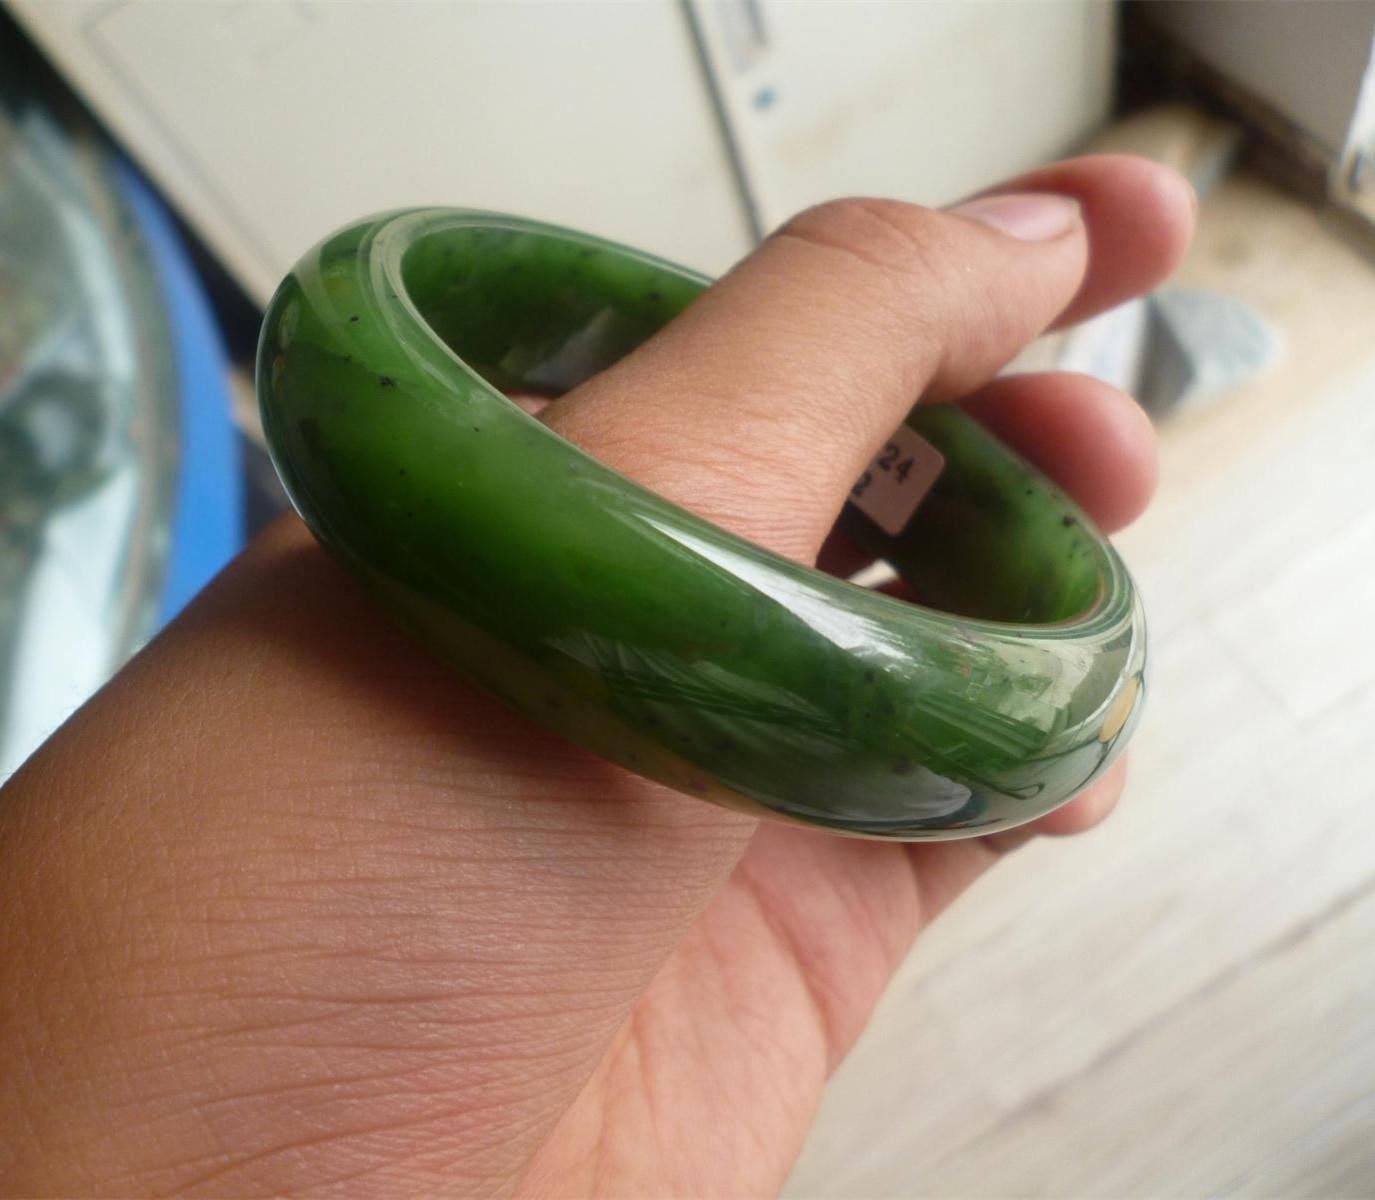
(642, 632)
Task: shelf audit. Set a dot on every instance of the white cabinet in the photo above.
(271, 123)
(685, 128)
(1311, 62)
(924, 101)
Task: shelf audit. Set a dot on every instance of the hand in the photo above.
(289, 908)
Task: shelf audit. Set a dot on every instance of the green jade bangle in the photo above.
(641, 632)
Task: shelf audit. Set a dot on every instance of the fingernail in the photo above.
(1027, 216)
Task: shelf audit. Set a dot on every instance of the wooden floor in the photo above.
(1182, 1003)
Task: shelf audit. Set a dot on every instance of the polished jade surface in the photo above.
(642, 632)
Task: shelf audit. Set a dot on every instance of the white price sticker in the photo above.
(894, 483)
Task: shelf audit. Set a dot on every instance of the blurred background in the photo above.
(1181, 1003)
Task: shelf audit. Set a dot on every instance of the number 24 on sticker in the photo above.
(896, 480)
(887, 461)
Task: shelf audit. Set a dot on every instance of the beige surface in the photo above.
(1183, 1002)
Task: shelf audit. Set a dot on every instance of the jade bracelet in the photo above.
(646, 634)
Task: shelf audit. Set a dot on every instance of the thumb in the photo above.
(759, 406)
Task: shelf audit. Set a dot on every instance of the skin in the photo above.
(288, 908)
